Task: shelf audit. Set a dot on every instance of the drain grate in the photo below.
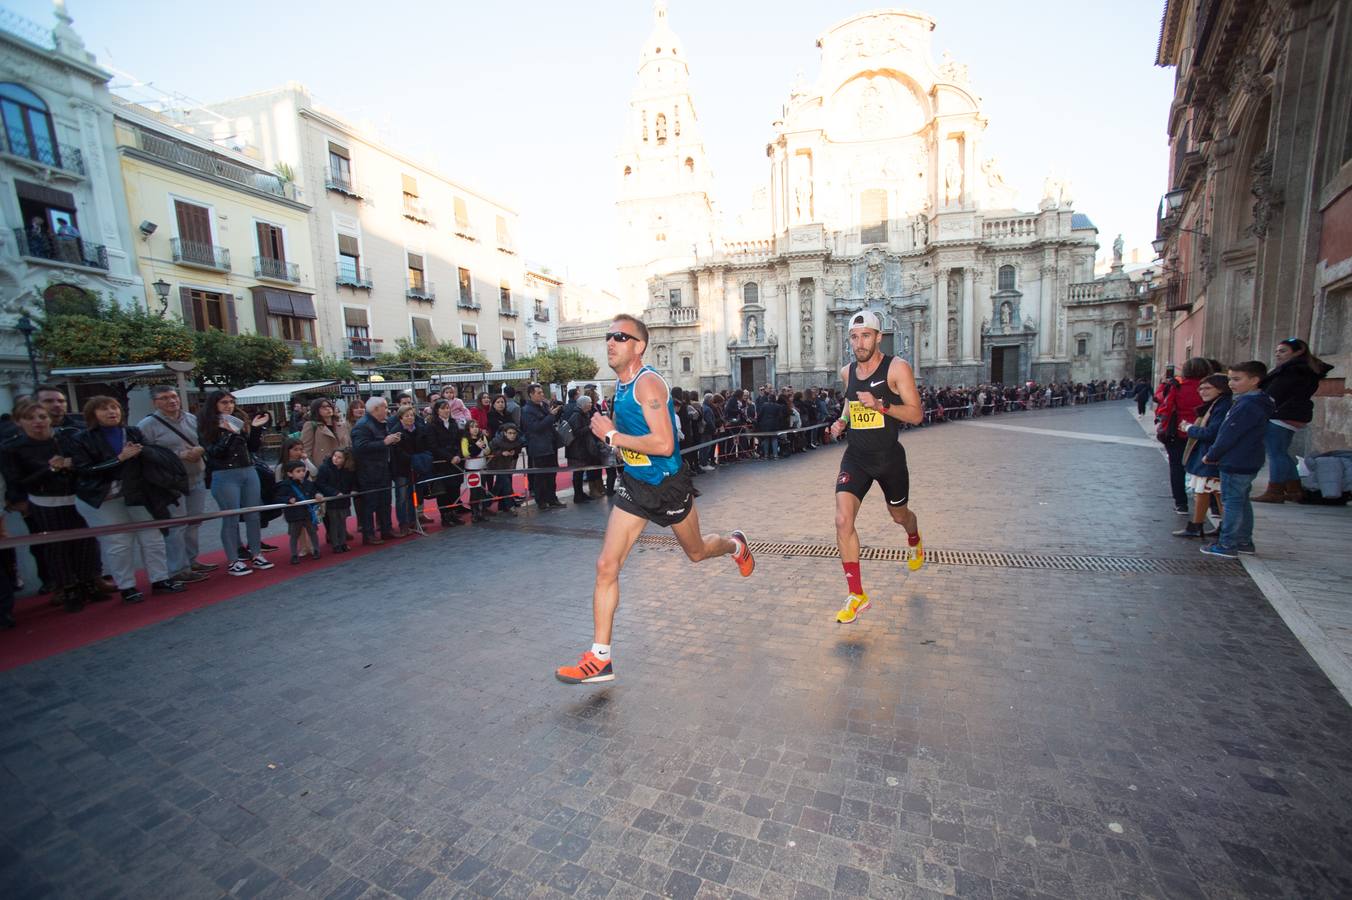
(1126, 565)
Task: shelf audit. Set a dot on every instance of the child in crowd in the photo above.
(1204, 480)
(296, 488)
(336, 476)
(504, 451)
(1238, 452)
(474, 451)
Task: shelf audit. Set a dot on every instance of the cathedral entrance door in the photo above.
(1005, 365)
(753, 372)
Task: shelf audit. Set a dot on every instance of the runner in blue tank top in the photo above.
(654, 487)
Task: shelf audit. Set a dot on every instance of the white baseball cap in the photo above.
(866, 318)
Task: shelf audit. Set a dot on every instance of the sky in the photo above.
(526, 100)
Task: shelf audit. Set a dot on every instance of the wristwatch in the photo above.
(885, 406)
(610, 434)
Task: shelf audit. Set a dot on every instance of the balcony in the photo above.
(362, 348)
(1173, 298)
(354, 277)
(345, 186)
(1087, 291)
(276, 269)
(45, 152)
(467, 302)
(466, 231)
(200, 255)
(508, 310)
(187, 156)
(419, 289)
(671, 315)
(65, 251)
(505, 245)
(416, 211)
(1016, 228)
(542, 315)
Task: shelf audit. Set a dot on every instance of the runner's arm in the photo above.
(901, 379)
(651, 393)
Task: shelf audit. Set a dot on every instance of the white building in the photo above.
(61, 198)
(402, 251)
(541, 303)
(880, 194)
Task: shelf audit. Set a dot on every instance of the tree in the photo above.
(321, 366)
(115, 336)
(406, 351)
(559, 365)
(239, 360)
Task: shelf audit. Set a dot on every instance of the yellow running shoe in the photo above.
(917, 557)
(854, 605)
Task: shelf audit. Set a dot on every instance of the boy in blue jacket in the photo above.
(1238, 453)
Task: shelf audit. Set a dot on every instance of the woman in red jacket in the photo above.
(1180, 405)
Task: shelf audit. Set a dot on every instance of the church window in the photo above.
(661, 127)
(1082, 346)
(685, 364)
(690, 165)
(750, 293)
(675, 296)
(873, 217)
(1006, 278)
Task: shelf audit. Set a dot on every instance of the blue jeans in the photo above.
(235, 489)
(770, 447)
(1237, 523)
(1281, 464)
(404, 512)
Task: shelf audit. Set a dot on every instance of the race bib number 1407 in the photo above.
(864, 417)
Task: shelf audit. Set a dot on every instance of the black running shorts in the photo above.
(857, 476)
(664, 504)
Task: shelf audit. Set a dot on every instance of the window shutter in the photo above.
(502, 230)
(194, 222)
(336, 150)
(415, 261)
(231, 316)
(260, 304)
(355, 318)
(461, 212)
(347, 245)
(264, 242)
(422, 332)
(410, 185)
(189, 312)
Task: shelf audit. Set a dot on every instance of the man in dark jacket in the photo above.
(583, 450)
(538, 421)
(1238, 451)
(371, 444)
(1142, 396)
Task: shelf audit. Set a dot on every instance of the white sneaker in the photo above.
(708, 468)
(260, 562)
(239, 567)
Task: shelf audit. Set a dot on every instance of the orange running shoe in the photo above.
(746, 563)
(588, 670)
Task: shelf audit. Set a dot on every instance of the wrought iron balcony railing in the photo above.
(70, 250)
(276, 269)
(542, 315)
(347, 186)
(43, 150)
(203, 256)
(354, 277)
(507, 309)
(421, 289)
(416, 211)
(362, 348)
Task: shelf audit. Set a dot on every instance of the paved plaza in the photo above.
(392, 727)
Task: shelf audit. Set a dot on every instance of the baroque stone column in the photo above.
(941, 315)
(1047, 306)
(968, 319)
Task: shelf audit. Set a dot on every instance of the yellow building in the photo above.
(223, 242)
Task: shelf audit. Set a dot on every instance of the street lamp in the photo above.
(25, 327)
(162, 291)
(1174, 200)
(1159, 244)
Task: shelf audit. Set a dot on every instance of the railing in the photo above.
(209, 163)
(276, 269)
(1187, 159)
(416, 211)
(467, 302)
(1015, 228)
(30, 31)
(1174, 298)
(542, 315)
(1086, 291)
(70, 250)
(507, 309)
(749, 248)
(354, 276)
(506, 246)
(672, 315)
(195, 253)
(362, 348)
(466, 231)
(43, 150)
(420, 289)
(346, 186)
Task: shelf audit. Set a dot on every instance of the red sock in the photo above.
(913, 539)
(853, 578)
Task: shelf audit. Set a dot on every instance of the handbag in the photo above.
(563, 433)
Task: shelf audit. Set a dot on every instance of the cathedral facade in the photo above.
(879, 195)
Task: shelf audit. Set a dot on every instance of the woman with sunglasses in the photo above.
(1291, 385)
(654, 487)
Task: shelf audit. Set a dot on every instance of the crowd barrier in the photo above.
(741, 436)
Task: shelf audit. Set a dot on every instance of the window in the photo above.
(194, 234)
(661, 127)
(461, 213)
(208, 310)
(357, 329)
(469, 336)
(1006, 280)
(28, 125)
(349, 257)
(410, 186)
(685, 364)
(750, 293)
(1081, 346)
(466, 288)
(417, 282)
(504, 239)
(873, 217)
(674, 295)
(292, 329)
(508, 348)
(270, 242)
(422, 332)
(340, 166)
(505, 295)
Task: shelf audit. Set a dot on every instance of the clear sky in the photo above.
(526, 100)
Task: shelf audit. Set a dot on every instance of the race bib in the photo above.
(634, 458)
(864, 417)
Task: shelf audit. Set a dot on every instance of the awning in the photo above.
(477, 377)
(286, 303)
(129, 372)
(279, 391)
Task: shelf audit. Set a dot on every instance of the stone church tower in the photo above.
(666, 215)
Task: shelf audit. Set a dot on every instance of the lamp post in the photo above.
(25, 328)
(162, 291)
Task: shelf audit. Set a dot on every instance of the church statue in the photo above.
(952, 183)
(1117, 252)
(1027, 323)
(874, 286)
(986, 325)
(752, 330)
(802, 199)
(1006, 315)
(1067, 197)
(1051, 191)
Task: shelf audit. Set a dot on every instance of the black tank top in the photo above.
(872, 435)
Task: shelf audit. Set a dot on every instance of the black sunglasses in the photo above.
(621, 337)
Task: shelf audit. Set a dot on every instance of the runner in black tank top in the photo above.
(880, 394)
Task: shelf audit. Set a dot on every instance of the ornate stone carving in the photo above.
(952, 337)
(951, 71)
(873, 285)
(1268, 197)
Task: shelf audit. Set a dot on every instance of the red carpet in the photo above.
(45, 630)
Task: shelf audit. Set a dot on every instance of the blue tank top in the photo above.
(629, 420)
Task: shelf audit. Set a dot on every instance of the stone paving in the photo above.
(394, 728)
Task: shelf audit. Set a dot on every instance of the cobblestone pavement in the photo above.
(395, 728)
